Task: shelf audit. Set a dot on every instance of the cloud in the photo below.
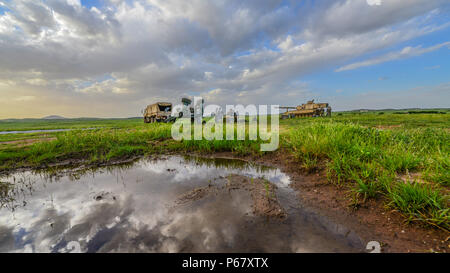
(433, 67)
(126, 54)
(347, 17)
(24, 98)
(406, 52)
(374, 2)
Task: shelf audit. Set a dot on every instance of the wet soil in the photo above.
(371, 220)
(263, 193)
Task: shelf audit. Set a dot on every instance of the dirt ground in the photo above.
(265, 201)
(372, 221)
(26, 142)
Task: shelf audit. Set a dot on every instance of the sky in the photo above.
(111, 58)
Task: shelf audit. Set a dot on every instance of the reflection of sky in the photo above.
(135, 213)
(193, 171)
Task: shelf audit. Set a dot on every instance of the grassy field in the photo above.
(403, 159)
(42, 124)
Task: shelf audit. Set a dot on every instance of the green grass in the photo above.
(401, 159)
(94, 146)
(102, 145)
(421, 203)
(371, 162)
(374, 119)
(42, 124)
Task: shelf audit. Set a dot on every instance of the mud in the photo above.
(194, 195)
(263, 194)
(371, 220)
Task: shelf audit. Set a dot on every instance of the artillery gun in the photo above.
(309, 109)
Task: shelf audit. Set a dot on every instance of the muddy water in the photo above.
(134, 208)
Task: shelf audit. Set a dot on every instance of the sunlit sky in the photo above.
(110, 58)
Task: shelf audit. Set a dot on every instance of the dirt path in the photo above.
(27, 142)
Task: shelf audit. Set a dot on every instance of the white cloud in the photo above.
(433, 67)
(406, 52)
(374, 2)
(254, 51)
(37, 81)
(24, 98)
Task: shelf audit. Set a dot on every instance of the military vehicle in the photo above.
(310, 109)
(158, 112)
(162, 111)
(187, 103)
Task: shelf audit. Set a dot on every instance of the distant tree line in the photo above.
(422, 112)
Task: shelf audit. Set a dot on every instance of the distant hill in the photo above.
(53, 117)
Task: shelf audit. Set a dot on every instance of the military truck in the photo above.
(158, 112)
(310, 109)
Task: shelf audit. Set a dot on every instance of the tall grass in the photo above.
(372, 161)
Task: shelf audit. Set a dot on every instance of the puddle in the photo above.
(41, 131)
(173, 204)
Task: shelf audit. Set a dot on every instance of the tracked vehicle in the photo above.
(309, 109)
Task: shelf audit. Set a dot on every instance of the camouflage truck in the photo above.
(310, 109)
(158, 112)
